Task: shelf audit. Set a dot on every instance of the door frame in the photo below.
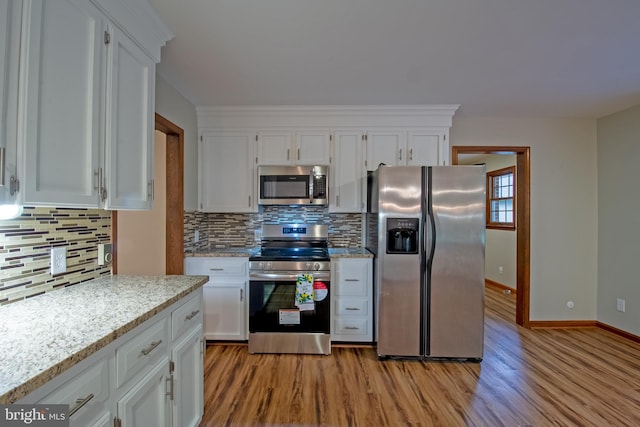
(174, 250)
(523, 219)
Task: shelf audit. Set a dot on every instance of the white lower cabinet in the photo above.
(352, 300)
(225, 295)
(151, 376)
(188, 402)
(147, 403)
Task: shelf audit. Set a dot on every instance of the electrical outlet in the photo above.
(500, 270)
(620, 305)
(58, 260)
(196, 236)
(105, 253)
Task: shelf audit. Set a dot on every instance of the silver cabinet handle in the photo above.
(298, 154)
(411, 154)
(192, 315)
(288, 153)
(170, 392)
(79, 404)
(216, 269)
(153, 345)
(401, 154)
(241, 294)
(351, 280)
(352, 309)
(351, 328)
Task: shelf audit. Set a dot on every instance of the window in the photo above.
(501, 206)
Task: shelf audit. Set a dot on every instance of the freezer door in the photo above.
(456, 282)
(398, 277)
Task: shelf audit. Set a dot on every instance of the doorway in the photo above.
(523, 236)
(174, 200)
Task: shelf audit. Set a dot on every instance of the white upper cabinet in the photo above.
(130, 124)
(86, 106)
(60, 120)
(9, 66)
(412, 148)
(227, 171)
(347, 172)
(386, 147)
(427, 148)
(303, 147)
(313, 147)
(275, 148)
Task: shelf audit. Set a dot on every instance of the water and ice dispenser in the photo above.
(402, 235)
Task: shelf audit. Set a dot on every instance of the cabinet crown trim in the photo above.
(325, 116)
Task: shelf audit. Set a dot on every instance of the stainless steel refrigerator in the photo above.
(426, 227)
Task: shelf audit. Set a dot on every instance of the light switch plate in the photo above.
(105, 253)
(58, 260)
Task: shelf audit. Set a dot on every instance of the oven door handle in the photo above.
(288, 275)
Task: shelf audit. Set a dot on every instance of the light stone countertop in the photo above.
(43, 336)
(349, 253)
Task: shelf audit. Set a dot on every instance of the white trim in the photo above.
(326, 116)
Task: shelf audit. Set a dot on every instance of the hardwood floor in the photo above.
(548, 377)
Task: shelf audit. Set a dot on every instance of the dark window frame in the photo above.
(491, 178)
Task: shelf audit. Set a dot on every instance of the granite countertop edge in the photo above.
(28, 374)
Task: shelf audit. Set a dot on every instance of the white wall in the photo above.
(619, 219)
(176, 108)
(142, 234)
(563, 206)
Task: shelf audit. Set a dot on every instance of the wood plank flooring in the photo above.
(554, 377)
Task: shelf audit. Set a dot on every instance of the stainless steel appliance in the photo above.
(276, 324)
(293, 185)
(427, 231)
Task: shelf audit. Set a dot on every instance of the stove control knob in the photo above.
(261, 265)
(308, 265)
(268, 266)
(316, 266)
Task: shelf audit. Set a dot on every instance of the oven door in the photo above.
(272, 304)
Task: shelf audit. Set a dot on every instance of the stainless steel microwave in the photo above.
(293, 185)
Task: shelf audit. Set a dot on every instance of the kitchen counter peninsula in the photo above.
(44, 336)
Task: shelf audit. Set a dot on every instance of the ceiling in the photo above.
(522, 58)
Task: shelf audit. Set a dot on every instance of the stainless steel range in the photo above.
(283, 316)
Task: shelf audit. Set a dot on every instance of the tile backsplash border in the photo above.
(25, 249)
(237, 230)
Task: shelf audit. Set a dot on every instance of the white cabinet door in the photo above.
(224, 309)
(147, 403)
(388, 147)
(187, 356)
(427, 149)
(227, 171)
(352, 300)
(347, 173)
(10, 15)
(313, 148)
(61, 70)
(275, 148)
(130, 123)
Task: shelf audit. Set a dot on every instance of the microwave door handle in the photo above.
(311, 186)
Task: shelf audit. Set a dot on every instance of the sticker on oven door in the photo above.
(289, 316)
(320, 291)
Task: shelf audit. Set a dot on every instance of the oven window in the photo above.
(284, 187)
(272, 309)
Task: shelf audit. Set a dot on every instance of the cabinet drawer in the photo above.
(353, 285)
(138, 353)
(186, 316)
(351, 326)
(352, 306)
(84, 393)
(214, 267)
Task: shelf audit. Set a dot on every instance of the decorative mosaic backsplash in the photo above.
(238, 230)
(25, 249)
